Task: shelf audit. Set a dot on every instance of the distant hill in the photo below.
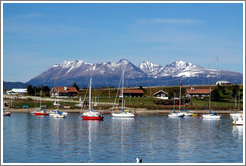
(11, 85)
(146, 74)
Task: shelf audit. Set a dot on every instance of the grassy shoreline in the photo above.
(108, 111)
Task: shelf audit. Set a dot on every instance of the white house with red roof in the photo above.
(63, 92)
(192, 92)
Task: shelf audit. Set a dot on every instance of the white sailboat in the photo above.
(125, 112)
(91, 114)
(238, 121)
(235, 116)
(211, 115)
(182, 113)
(174, 113)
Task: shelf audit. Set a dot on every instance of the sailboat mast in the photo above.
(180, 98)
(239, 100)
(90, 95)
(209, 98)
(122, 89)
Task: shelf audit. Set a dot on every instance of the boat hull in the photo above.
(176, 115)
(92, 117)
(123, 115)
(57, 115)
(211, 117)
(239, 123)
(41, 113)
(7, 113)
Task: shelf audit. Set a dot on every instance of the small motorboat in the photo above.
(176, 114)
(41, 112)
(6, 113)
(58, 114)
(238, 121)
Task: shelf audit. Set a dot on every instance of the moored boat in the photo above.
(239, 121)
(125, 112)
(58, 114)
(211, 116)
(236, 115)
(41, 112)
(91, 114)
(186, 113)
(6, 113)
(176, 114)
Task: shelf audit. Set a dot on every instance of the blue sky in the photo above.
(37, 36)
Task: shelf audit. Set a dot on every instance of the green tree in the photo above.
(30, 90)
(76, 86)
(215, 94)
(235, 89)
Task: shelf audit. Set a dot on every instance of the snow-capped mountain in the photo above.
(150, 68)
(109, 73)
(182, 69)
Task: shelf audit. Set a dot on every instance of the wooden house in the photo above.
(161, 94)
(133, 93)
(63, 92)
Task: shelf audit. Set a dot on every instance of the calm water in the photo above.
(154, 138)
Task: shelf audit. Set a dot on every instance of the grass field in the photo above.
(108, 95)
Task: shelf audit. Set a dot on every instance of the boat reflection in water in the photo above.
(93, 131)
(124, 127)
(237, 131)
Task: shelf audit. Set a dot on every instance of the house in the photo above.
(223, 83)
(198, 92)
(63, 92)
(132, 93)
(16, 91)
(161, 95)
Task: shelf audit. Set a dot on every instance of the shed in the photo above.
(223, 83)
(133, 93)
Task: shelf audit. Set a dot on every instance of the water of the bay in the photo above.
(154, 138)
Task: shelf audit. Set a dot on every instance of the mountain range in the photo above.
(107, 74)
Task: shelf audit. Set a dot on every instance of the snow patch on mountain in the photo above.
(70, 71)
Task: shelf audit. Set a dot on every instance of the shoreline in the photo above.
(140, 111)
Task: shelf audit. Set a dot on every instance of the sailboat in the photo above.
(56, 113)
(6, 113)
(41, 111)
(211, 115)
(91, 114)
(238, 121)
(125, 112)
(174, 113)
(235, 116)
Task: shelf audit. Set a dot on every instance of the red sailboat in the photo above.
(41, 112)
(91, 114)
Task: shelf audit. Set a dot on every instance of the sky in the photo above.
(37, 36)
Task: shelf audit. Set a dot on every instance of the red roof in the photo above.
(65, 89)
(133, 91)
(198, 91)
